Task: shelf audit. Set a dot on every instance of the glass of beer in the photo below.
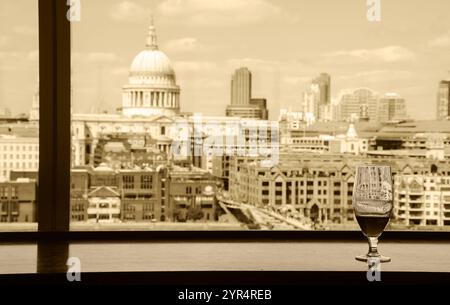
(372, 204)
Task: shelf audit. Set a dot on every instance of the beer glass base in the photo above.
(365, 258)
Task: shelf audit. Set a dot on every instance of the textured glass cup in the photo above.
(372, 204)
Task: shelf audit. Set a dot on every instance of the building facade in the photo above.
(18, 152)
(319, 186)
(241, 102)
(192, 194)
(18, 200)
(422, 200)
(241, 87)
(324, 83)
(152, 88)
(311, 101)
(359, 104)
(391, 107)
(443, 100)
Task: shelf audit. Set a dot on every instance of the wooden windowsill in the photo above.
(156, 256)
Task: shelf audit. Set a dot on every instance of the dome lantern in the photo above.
(151, 37)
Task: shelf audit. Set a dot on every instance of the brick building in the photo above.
(318, 186)
(192, 190)
(18, 200)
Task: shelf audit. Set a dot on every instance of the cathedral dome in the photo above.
(151, 66)
(151, 63)
(152, 89)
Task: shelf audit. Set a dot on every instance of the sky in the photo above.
(284, 43)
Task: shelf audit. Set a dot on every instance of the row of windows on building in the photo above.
(302, 183)
(129, 210)
(427, 197)
(297, 192)
(6, 192)
(13, 207)
(317, 189)
(80, 207)
(4, 218)
(20, 165)
(21, 148)
(146, 182)
(198, 190)
(19, 157)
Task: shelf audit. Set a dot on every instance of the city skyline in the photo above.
(204, 59)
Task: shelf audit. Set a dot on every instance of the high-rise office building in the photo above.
(241, 87)
(311, 100)
(316, 98)
(324, 82)
(359, 104)
(261, 103)
(443, 100)
(242, 104)
(391, 107)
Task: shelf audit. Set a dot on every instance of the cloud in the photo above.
(194, 66)
(11, 56)
(440, 41)
(101, 57)
(33, 55)
(220, 12)
(265, 65)
(203, 82)
(121, 71)
(3, 40)
(186, 44)
(25, 30)
(19, 60)
(376, 76)
(296, 80)
(94, 57)
(387, 54)
(254, 63)
(129, 11)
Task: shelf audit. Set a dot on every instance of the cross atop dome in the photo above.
(151, 36)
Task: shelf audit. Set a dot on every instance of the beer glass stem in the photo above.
(373, 247)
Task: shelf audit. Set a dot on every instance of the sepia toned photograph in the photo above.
(224, 139)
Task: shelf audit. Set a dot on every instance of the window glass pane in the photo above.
(255, 115)
(19, 115)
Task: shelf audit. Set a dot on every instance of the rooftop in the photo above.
(20, 130)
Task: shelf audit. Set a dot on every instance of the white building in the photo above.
(293, 138)
(150, 106)
(349, 143)
(104, 205)
(422, 200)
(18, 153)
(152, 89)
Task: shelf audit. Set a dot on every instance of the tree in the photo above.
(194, 213)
